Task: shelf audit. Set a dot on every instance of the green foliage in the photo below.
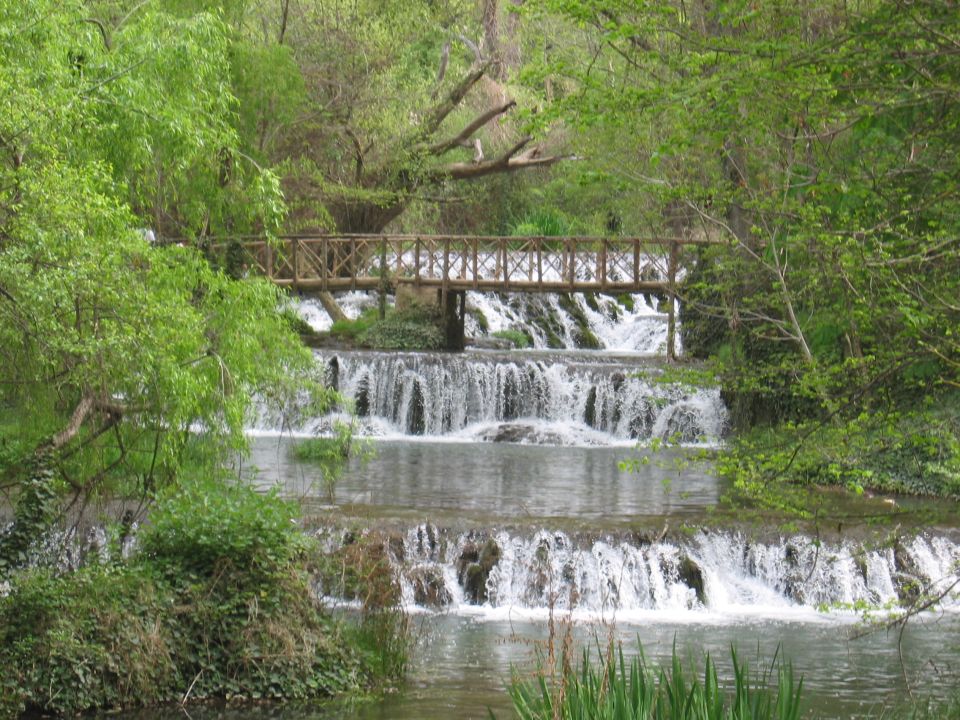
(610, 688)
(404, 330)
(519, 338)
(914, 453)
(121, 356)
(332, 453)
(354, 329)
(33, 514)
(204, 523)
(216, 604)
(544, 222)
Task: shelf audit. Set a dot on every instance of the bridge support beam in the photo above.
(453, 311)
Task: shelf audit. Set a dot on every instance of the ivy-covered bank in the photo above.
(201, 610)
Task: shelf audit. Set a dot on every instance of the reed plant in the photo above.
(606, 686)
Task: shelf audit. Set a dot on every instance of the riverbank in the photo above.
(217, 602)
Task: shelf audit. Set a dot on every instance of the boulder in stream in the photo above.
(429, 588)
(473, 569)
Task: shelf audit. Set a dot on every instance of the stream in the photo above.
(497, 488)
(497, 480)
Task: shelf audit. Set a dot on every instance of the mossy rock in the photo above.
(692, 576)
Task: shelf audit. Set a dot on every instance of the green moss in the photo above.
(519, 338)
(481, 319)
(297, 323)
(354, 329)
(583, 336)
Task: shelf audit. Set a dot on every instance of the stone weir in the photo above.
(513, 396)
(710, 571)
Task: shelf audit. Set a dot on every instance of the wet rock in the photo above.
(473, 569)
(428, 541)
(397, 547)
(590, 411)
(692, 576)
(517, 433)
(417, 423)
(908, 577)
(361, 400)
(332, 373)
(429, 587)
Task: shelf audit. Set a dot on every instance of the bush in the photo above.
(915, 453)
(612, 689)
(217, 604)
(353, 329)
(404, 332)
(206, 523)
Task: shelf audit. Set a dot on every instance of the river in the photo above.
(653, 556)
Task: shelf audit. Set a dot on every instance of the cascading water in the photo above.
(628, 323)
(494, 397)
(710, 573)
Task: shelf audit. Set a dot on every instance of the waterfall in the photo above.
(711, 572)
(528, 399)
(627, 323)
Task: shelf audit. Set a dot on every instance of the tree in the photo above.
(118, 354)
(818, 143)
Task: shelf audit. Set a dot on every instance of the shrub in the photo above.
(404, 332)
(217, 604)
(353, 329)
(206, 523)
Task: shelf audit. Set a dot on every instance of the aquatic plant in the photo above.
(608, 687)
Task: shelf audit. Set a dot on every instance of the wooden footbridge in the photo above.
(454, 264)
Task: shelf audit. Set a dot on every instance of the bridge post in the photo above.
(453, 306)
(672, 303)
(384, 280)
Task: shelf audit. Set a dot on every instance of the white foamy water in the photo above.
(481, 396)
(712, 576)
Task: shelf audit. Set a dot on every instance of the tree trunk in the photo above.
(330, 305)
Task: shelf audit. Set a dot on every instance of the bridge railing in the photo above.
(465, 262)
(523, 264)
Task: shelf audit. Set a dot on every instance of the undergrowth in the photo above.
(914, 453)
(217, 603)
(519, 338)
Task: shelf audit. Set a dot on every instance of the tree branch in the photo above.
(442, 70)
(103, 31)
(508, 162)
(463, 138)
(80, 414)
(439, 112)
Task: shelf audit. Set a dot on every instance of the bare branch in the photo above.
(442, 70)
(439, 112)
(462, 139)
(474, 48)
(507, 162)
(103, 31)
(80, 414)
